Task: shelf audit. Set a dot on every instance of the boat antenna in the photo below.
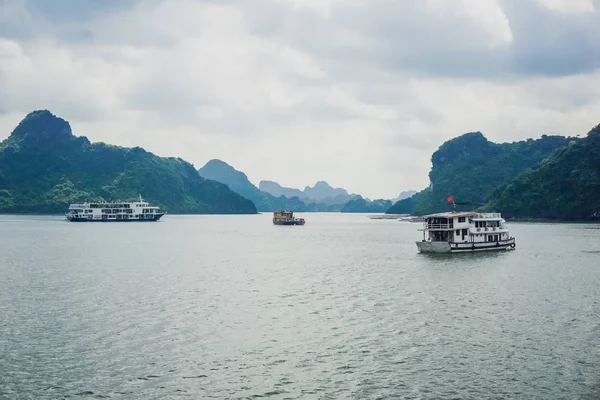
(140, 197)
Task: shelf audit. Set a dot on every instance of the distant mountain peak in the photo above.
(320, 192)
(41, 127)
(322, 189)
(43, 122)
(404, 195)
(277, 190)
(463, 146)
(220, 171)
(320, 185)
(217, 162)
(219, 168)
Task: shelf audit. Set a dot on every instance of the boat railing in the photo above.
(489, 228)
(437, 226)
(488, 215)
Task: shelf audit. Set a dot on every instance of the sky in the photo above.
(358, 93)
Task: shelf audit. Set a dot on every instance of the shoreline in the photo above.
(375, 215)
(553, 221)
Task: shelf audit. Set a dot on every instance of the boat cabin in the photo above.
(283, 215)
(286, 217)
(464, 227)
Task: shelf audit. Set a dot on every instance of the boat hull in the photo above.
(287, 223)
(154, 218)
(451, 247)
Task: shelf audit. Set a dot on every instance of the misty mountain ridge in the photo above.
(321, 192)
(237, 181)
(404, 195)
(277, 190)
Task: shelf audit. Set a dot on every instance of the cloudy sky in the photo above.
(355, 92)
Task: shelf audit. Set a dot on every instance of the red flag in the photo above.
(450, 199)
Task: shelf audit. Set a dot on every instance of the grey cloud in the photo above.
(61, 10)
(62, 19)
(396, 77)
(390, 35)
(407, 36)
(545, 43)
(552, 43)
(425, 144)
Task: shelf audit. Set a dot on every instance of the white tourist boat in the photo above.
(118, 211)
(464, 232)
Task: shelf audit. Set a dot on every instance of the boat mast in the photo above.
(462, 203)
(450, 200)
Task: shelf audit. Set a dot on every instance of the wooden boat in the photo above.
(286, 217)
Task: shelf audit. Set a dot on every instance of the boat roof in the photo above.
(451, 214)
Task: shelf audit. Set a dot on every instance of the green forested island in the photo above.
(564, 186)
(470, 168)
(44, 167)
(361, 205)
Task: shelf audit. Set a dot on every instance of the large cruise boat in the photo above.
(463, 232)
(114, 212)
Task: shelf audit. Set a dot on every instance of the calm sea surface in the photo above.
(197, 307)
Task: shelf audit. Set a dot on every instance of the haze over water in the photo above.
(343, 307)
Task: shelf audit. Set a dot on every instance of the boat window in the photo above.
(462, 219)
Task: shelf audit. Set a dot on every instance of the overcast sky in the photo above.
(355, 92)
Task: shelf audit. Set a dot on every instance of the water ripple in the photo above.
(232, 307)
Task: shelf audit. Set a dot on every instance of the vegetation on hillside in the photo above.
(365, 206)
(43, 168)
(564, 186)
(470, 168)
